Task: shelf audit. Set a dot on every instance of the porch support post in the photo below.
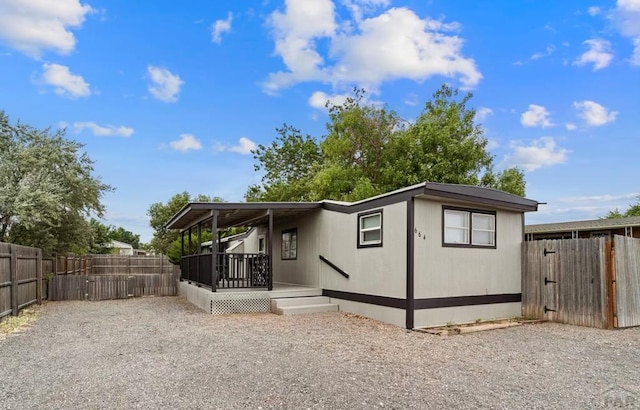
(199, 237)
(214, 251)
(199, 234)
(409, 308)
(181, 244)
(189, 240)
(270, 248)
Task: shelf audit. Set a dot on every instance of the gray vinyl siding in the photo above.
(377, 271)
(442, 271)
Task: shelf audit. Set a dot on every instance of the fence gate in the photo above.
(549, 278)
(565, 281)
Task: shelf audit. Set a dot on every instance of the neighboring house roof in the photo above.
(589, 225)
(119, 245)
(234, 214)
(236, 237)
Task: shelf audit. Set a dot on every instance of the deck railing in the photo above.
(234, 270)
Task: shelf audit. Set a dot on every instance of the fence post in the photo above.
(13, 277)
(39, 276)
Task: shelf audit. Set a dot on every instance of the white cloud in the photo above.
(599, 198)
(319, 99)
(220, 27)
(165, 85)
(103, 131)
(536, 116)
(593, 113)
(541, 153)
(358, 8)
(492, 144)
(186, 142)
(34, 26)
(244, 147)
(626, 16)
(570, 126)
(599, 54)
(546, 53)
(64, 82)
(593, 10)
(411, 99)
(482, 113)
(395, 44)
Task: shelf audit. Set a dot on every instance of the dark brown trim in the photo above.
(290, 230)
(368, 213)
(334, 266)
(522, 205)
(430, 303)
(364, 298)
(410, 262)
(433, 303)
(270, 247)
(471, 211)
(374, 203)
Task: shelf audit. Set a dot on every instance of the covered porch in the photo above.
(221, 270)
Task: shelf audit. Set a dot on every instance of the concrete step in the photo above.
(299, 301)
(304, 309)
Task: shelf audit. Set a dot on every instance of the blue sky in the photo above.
(171, 96)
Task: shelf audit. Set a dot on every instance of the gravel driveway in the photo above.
(163, 352)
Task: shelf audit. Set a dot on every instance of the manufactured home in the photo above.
(425, 255)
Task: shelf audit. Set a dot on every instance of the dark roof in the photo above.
(590, 225)
(235, 214)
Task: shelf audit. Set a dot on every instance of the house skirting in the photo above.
(220, 303)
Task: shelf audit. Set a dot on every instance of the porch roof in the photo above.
(237, 214)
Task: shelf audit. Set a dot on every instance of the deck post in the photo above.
(214, 251)
(270, 249)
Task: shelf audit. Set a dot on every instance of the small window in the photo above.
(290, 244)
(370, 229)
(261, 244)
(469, 228)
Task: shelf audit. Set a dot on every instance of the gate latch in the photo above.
(546, 309)
(546, 252)
(547, 281)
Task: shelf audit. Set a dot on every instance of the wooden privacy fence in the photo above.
(102, 287)
(101, 277)
(20, 278)
(589, 282)
(129, 265)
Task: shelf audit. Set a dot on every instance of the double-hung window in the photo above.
(370, 229)
(469, 228)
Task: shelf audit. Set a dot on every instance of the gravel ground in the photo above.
(163, 352)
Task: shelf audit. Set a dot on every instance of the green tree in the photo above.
(370, 150)
(160, 213)
(47, 189)
(123, 235)
(289, 164)
(354, 149)
(633, 210)
(99, 237)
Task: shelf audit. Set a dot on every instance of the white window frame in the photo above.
(362, 243)
(470, 237)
